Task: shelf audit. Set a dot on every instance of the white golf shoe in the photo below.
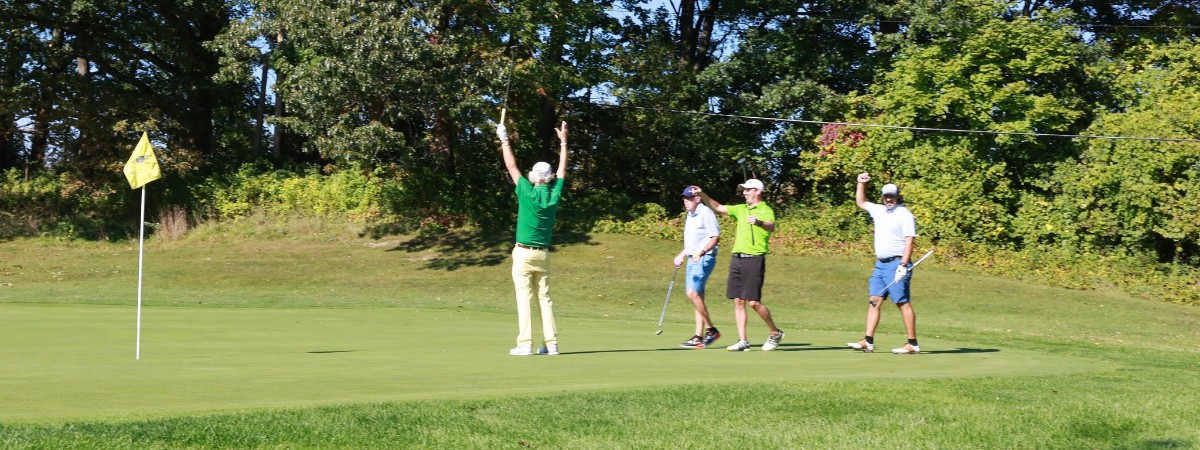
(907, 350)
(740, 346)
(521, 350)
(862, 345)
(773, 341)
(548, 349)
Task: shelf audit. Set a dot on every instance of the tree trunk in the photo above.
(262, 106)
(10, 135)
(695, 35)
(277, 148)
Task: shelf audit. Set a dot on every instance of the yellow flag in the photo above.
(142, 166)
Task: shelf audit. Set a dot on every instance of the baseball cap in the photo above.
(688, 192)
(751, 184)
(890, 189)
(542, 169)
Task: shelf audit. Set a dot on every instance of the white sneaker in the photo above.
(862, 345)
(548, 349)
(740, 346)
(520, 350)
(773, 341)
(907, 350)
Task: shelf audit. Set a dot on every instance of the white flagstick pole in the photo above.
(141, 242)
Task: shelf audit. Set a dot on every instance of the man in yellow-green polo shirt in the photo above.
(537, 208)
(755, 221)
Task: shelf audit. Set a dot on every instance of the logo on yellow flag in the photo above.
(142, 166)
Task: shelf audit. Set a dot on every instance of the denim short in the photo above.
(698, 272)
(883, 274)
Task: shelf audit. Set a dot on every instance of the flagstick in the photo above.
(141, 242)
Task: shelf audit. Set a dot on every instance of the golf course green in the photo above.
(403, 342)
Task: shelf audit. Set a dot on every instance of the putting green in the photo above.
(74, 362)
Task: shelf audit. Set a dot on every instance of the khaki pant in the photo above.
(531, 270)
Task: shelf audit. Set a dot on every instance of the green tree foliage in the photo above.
(1004, 75)
(102, 72)
(1137, 196)
(417, 87)
(795, 61)
(397, 101)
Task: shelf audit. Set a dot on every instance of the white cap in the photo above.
(890, 189)
(542, 169)
(751, 184)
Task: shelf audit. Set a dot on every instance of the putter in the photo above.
(668, 299)
(885, 288)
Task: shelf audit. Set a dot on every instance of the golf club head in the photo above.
(656, 333)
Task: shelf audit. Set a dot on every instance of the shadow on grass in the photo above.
(456, 249)
(801, 347)
(959, 351)
(632, 350)
(1164, 443)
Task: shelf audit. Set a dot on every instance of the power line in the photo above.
(799, 15)
(902, 127)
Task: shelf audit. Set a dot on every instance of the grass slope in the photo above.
(312, 341)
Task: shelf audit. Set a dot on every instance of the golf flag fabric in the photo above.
(142, 166)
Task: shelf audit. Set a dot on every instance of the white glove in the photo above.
(901, 271)
(502, 132)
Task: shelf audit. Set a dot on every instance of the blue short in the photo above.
(697, 272)
(883, 274)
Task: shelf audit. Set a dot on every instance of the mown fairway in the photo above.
(311, 341)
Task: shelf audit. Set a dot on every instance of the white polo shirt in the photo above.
(891, 227)
(698, 228)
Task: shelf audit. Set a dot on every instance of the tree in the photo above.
(98, 84)
(1135, 196)
(1008, 75)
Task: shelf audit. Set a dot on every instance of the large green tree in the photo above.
(1139, 197)
(980, 70)
(416, 87)
(114, 68)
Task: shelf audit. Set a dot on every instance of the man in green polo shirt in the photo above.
(537, 208)
(755, 221)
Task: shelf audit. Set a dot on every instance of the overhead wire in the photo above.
(893, 127)
(742, 20)
(901, 127)
(802, 15)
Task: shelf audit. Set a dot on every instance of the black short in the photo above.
(746, 277)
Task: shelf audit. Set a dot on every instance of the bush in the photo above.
(348, 192)
(60, 206)
(649, 220)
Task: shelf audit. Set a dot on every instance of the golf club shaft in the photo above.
(668, 299)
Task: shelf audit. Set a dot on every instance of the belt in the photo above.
(745, 255)
(530, 247)
(888, 259)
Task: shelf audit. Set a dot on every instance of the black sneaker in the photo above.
(711, 336)
(694, 342)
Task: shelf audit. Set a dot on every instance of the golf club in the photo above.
(885, 288)
(668, 299)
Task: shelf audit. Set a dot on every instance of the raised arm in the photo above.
(709, 202)
(860, 192)
(510, 161)
(562, 150)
